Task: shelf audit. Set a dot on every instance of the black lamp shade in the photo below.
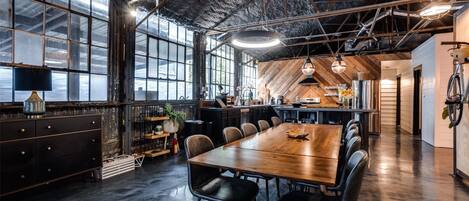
(29, 79)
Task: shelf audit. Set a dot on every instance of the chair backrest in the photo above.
(231, 134)
(351, 147)
(276, 121)
(198, 175)
(350, 134)
(352, 126)
(355, 169)
(263, 125)
(352, 121)
(248, 129)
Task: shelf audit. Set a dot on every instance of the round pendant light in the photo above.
(339, 65)
(308, 67)
(256, 39)
(435, 10)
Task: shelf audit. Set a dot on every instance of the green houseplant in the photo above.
(175, 119)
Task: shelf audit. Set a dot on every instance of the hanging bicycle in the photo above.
(457, 94)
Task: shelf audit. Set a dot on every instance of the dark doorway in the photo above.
(398, 101)
(417, 111)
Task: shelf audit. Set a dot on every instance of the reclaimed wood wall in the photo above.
(282, 77)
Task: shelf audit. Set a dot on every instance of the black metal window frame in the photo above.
(214, 76)
(249, 74)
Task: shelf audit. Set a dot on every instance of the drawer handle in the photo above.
(49, 127)
(93, 140)
(22, 176)
(49, 170)
(93, 122)
(93, 158)
(23, 153)
(49, 148)
(22, 130)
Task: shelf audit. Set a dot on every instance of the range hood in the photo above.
(309, 81)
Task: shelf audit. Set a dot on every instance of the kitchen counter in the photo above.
(323, 109)
(235, 107)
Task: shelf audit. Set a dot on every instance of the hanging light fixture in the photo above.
(435, 10)
(256, 39)
(339, 65)
(308, 69)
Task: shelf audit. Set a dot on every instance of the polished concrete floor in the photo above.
(402, 167)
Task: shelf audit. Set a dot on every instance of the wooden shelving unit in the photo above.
(150, 138)
(156, 119)
(156, 152)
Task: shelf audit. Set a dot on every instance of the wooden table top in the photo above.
(272, 153)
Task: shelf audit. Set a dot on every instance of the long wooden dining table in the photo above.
(272, 153)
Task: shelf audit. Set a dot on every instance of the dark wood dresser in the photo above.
(38, 151)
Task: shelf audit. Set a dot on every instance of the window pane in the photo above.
(79, 28)
(153, 25)
(59, 87)
(181, 71)
(21, 96)
(98, 88)
(152, 47)
(189, 55)
(172, 52)
(63, 3)
(141, 13)
(140, 43)
(6, 48)
(98, 60)
(6, 84)
(56, 53)
(140, 89)
(172, 90)
(189, 37)
(181, 90)
(181, 34)
(172, 70)
(152, 89)
(181, 53)
(99, 33)
(162, 90)
(5, 13)
(56, 22)
(152, 67)
(163, 49)
(163, 28)
(162, 69)
(189, 72)
(29, 16)
(79, 86)
(173, 31)
(189, 91)
(140, 66)
(80, 5)
(99, 8)
(78, 56)
(28, 48)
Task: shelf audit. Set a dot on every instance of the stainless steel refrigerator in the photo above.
(366, 96)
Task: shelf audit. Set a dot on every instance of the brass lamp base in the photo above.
(34, 105)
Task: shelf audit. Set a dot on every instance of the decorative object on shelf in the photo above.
(339, 65)
(175, 119)
(117, 165)
(345, 97)
(255, 39)
(33, 79)
(175, 143)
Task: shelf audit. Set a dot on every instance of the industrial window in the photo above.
(68, 36)
(219, 69)
(163, 60)
(248, 75)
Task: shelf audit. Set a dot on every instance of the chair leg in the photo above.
(257, 180)
(267, 189)
(277, 181)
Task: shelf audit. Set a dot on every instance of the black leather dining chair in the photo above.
(355, 170)
(350, 134)
(275, 121)
(231, 134)
(248, 129)
(207, 183)
(263, 125)
(352, 121)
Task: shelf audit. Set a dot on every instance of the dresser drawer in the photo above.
(70, 144)
(17, 155)
(17, 130)
(65, 125)
(16, 179)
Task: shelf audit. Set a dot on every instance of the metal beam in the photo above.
(318, 15)
(421, 24)
(152, 11)
(370, 32)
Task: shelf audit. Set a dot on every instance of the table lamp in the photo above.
(33, 79)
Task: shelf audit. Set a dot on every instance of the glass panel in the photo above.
(189, 91)
(172, 70)
(162, 69)
(29, 16)
(21, 96)
(189, 38)
(99, 8)
(172, 52)
(140, 89)
(189, 56)
(5, 13)
(28, 48)
(181, 53)
(99, 33)
(141, 13)
(79, 86)
(152, 67)
(181, 90)
(56, 53)
(79, 28)
(153, 25)
(163, 28)
(56, 22)
(80, 5)
(172, 90)
(152, 89)
(140, 43)
(6, 48)
(98, 88)
(173, 31)
(63, 3)
(59, 87)
(181, 34)
(140, 66)
(6, 84)
(99, 60)
(181, 71)
(162, 90)
(163, 49)
(152, 47)
(189, 72)
(78, 56)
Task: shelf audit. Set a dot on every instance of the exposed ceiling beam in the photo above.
(287, 20)
(236, 10)
(152, 11)
(420, 25)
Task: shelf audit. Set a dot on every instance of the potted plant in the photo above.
(175, 119)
